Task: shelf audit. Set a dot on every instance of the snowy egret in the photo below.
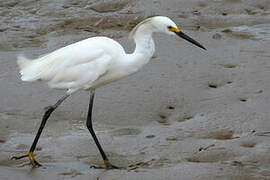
(91, 63)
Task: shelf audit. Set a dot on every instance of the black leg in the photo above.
(89, 125)
(42, 125)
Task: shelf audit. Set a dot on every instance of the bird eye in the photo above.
(170, 27)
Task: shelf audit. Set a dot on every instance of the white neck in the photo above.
(144, 44)
(144, 50)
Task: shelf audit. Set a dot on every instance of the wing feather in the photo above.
(81, 75)
(75, 66)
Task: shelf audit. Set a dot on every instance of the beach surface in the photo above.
(188, 114)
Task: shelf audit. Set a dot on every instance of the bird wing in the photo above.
(75, 66)
(81, 75)
(46, 67)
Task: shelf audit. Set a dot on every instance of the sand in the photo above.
(188, 114)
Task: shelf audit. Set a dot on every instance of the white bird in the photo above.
(91, 63)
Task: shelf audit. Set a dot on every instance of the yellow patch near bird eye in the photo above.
(173, 29)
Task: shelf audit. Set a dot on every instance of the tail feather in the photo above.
(36, 69)
(26, 69)
(23, 62)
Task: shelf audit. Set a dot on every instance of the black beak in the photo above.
(189, 39)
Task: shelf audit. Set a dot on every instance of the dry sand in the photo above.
(188, 114)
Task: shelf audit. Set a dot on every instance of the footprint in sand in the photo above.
(170, 115)
(212, 155)
(222, 134)
(126, 132)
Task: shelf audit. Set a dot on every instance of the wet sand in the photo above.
(188, 114)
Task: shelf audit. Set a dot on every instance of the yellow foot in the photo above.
(31, 157)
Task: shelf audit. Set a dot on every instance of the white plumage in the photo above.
(96, 61)
(75, 66)
(91, 63)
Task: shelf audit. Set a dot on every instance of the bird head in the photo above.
(167, 26)
(164, 25)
